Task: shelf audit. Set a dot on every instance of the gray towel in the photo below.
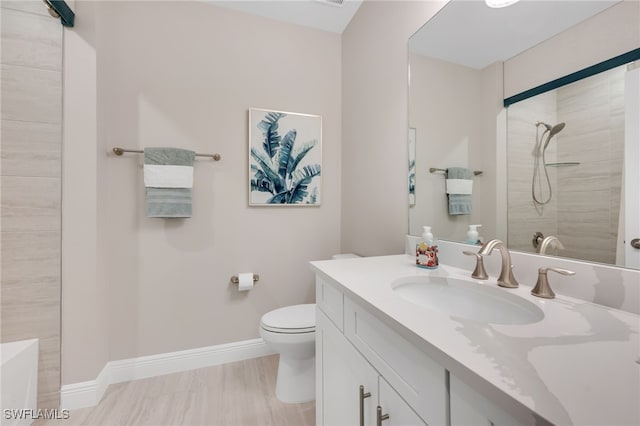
(168, 202)
(459, 203)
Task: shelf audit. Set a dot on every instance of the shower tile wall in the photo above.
(524, 219)
(31, 184)
(589, 194)
(585, 206)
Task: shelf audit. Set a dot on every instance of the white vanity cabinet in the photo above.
(355, 349)
(469, 408)
(371, 356)
(444, 367)
(349, 389)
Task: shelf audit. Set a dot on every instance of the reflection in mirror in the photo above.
(462, 66)
(568, 185)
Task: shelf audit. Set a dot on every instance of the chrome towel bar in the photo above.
(120, 151)
(434, 170)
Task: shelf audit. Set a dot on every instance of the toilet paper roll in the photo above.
(245, 281)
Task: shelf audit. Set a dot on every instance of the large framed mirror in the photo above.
(551, 163)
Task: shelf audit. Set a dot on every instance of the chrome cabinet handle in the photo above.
(380, 417)
(635, 243)
(363, 395)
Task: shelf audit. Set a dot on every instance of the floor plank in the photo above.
(235, 394)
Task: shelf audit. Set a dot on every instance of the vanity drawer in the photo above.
(417, 378)
(330, 300)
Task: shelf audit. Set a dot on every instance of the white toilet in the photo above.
(291, 331)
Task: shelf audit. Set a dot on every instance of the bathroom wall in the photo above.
(453, 109)
(610, 33)
(185, 74)
(85, 286)
(31, 180)
(374, 129)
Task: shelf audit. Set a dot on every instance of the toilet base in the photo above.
(296, 381)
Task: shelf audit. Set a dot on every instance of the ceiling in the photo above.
(318, 14)
(469, 33)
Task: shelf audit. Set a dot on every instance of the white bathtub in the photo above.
(19, 381)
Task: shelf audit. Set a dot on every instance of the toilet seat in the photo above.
(294, 319)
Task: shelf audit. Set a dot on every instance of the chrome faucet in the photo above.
(478, 273)
(548, 242)
(506, 278)
(542, 288)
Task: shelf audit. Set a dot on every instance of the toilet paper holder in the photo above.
(236, 280)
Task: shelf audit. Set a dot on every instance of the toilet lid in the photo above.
(292, 319)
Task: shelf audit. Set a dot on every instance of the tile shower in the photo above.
(584, 210)
(31, 185)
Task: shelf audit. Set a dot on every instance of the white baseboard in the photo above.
(89, 393)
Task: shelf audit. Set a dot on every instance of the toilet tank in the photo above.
(344, 256)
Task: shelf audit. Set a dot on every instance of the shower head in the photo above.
(553, 130)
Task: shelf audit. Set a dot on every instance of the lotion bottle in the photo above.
(472, 234)
(427, 250)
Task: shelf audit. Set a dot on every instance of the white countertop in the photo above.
(578, 365)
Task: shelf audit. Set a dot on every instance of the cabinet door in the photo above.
(469, 408)
(415, 376)
(399, 412)
(341, 370)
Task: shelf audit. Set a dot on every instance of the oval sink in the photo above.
(464, 299)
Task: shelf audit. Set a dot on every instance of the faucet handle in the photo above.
(542, 288)
(479, 272)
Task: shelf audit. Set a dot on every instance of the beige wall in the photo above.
(31, 146)
(184, 75)
(454, 110)
(610, 33)
(374, 130)
(443, 104)
(85, 290)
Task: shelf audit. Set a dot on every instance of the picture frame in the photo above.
(285, 158)
(411, 142)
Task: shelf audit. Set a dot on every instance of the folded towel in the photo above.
(459, 185)
(168, 202)
(168, 177)
(156, 176)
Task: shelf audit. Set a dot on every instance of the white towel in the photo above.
(168, 176)
(459, 186)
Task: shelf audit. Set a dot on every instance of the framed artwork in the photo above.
(412, 166)
(285, 158)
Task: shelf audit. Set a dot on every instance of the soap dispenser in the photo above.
(427, 250)
(472, 234)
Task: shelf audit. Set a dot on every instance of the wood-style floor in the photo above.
(235, 394)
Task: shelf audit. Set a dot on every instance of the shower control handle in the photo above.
(635, 243)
